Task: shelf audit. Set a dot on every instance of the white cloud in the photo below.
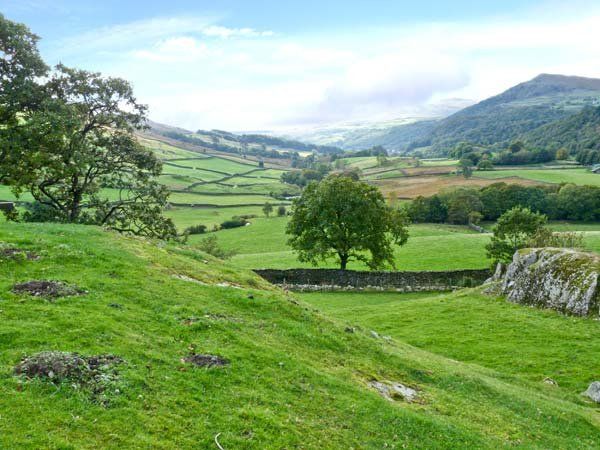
(198, 73)
(224, 32)
(180, 49)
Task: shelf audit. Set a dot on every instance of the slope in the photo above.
(295, 380)
(504, 117)
(577, 132)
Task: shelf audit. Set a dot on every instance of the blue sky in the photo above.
(258, 65)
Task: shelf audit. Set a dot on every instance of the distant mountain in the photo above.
(499, 119)
(394, 134)
(518, 110)
(257, 145)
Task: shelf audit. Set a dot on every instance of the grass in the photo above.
(430, 247)
(575, 176)
(186, 217)
(263, 244)
(192, 198)
(296, 378)
(470, 327)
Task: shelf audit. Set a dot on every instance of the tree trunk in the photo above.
(343, 261)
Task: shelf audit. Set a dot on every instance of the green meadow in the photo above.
(295, 378)
(575, 176)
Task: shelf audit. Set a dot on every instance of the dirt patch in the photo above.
(18, 254)
(206, 360)
(97, 375)
(47, 289)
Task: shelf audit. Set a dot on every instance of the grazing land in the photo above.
(470, 327)
(575, 176)
(143, 305)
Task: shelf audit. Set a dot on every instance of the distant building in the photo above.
(596, 169)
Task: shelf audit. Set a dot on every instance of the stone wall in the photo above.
(561, 279)
(332, 279)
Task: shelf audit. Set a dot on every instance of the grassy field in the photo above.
(476, 329)
(575, 176)
(296, 379)
(430, 246)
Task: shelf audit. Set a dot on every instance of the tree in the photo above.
(267, 209)
(346, 219)
(281, 211)
(485, 164)
(514, 230)
(78, 155)
(562, 154)
(465, 167)
(20, 93)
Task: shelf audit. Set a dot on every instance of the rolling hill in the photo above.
(496, 120)
(576, 132)
(277, 373)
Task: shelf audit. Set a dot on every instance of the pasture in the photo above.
(473, 328)
(575, 176)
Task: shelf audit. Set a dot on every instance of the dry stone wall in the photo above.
(332, 279)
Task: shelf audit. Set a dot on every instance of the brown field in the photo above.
(411, 187)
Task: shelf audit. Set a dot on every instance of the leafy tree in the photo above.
(20, 93)
(281, 211)
(485, 164)
(514, 230)
(80, 141)
(465, 168)
(348, 219)
(267, 209)
(562, 154)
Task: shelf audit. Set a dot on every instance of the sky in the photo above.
(283, 65)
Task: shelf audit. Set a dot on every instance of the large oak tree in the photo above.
(73, 144)
(345, 219)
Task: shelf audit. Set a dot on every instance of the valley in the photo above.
(350, 281)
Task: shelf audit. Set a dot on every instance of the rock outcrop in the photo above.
(561, 279)
(593, 391)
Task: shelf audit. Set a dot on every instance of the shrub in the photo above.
(546, 238)
(211, 246)
(281, 211)
(514, 230)
(234, 222)
(196, 229)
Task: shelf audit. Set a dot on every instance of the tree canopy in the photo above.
(74, 147)
(348, 220)
(514, 230)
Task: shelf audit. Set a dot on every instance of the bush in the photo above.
(234, 222)
(211, 246)
(514, 230)
(281, 211)
(546, 238)
(196, 229)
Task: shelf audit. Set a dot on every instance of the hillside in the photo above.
(256, 145)
(519, 110)
(577, 132)
(291, 378)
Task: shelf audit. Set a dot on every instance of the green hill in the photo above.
(292, 378)
(504, 117)
(577, 132)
